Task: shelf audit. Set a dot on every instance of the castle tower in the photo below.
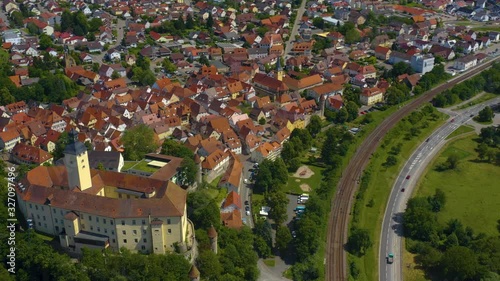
(194, 274)
(77, 163)
(279, 70)
(212, 234)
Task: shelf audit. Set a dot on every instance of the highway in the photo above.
(336, 259)
(392, 228)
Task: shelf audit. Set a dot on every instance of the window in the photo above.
(56, 220)
(61, 213)
(42, 208)
(135, 240)
(90, 218)
(57, 228)
(44, 218)
(112, 232)
(125, 241)
(31, 206)
(36, 207)
(83, 226)
(39, 224)
(38, 216)
(97, 219)
(114, 241)
(54, 210)
(104, 221)
(144, 231)
(145, 240)
(124, 232)
(105, 230)
(169, 231)
(98, 229)
(123, 222)
(133, 222)
(45, 225)
(143, 222)
(135, 232)
(168, 221)
(91, 227)
(111, 222)
(143, 247)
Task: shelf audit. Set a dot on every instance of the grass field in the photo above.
(473, 194)
(293, 185)
(379, 188)
(461, 130)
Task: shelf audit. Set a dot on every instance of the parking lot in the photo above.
(290, 210)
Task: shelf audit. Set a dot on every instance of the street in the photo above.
(295, 28)
(392, 228)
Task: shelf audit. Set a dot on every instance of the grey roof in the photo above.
(109, 159)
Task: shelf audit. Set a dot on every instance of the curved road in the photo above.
(392, 228)
(336, 264)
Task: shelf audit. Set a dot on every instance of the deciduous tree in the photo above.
(138, 141)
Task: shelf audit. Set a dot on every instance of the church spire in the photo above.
(279, 70)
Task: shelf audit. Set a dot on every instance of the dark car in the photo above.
(452, 120)
(246, 203)
(427, 140)
(247, 208)
(408, 177)
(472, 115)
(402, 190)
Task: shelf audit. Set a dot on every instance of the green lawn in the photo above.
(380, 185)
(483, 98)
(293, 185)
(128, 164)
(139, 165)
(270, 262)
(472, 193)
(461, 130)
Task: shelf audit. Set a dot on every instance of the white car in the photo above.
(245, 181)
(247, 212)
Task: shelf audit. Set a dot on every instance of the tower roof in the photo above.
(74, 147)
(212, 233)
(194, 272)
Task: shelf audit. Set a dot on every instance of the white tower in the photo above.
(77, 163)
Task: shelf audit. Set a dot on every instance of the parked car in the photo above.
(402, 190)
(246, 203)
(408, 177)
(294, 234)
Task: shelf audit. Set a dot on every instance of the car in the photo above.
(402, 190)
(247, 208)
(408, 177)
(245, 181)
(472, 115)
(427, 140)
(390, 258)
(294, 234)
(452, 120)
(247, 213)
(246, 203)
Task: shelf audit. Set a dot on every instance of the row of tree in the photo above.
(487, 81)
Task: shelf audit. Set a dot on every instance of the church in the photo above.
(266, 85)
(100, 209)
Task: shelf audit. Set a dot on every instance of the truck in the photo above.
(390, 258)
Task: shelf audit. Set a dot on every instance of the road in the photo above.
(392, 228)
(120, 31)
(245, 190)
(295, 28)
(336, 268)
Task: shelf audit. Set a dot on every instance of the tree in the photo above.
(17, 18)
(94, 24)
(419, 221)
(210, 21)
(66, 20)
(278, 203)
(342, 115)
(352, 110)
(202, 210)
(138, 141)
(45, 41)
(359, 241)
(283, 238)
(460, 263)
(6, 97)
(453, 161)
(61, 143)
(169, 66)
(485, 115)
(263, 229)
(209, 265)
(438, 200)
(32, 28)
(352, 36)
(306, 243)
(262, 121)
(390, 161)
(204, 60)
(115, 75)
(319, 22)
(190, 22)
(262, 248)
(314, 126)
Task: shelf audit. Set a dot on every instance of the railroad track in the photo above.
(336, 262)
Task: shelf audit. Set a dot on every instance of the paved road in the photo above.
(392, 229)
(120, 31)
(295, 28)
(245, 190)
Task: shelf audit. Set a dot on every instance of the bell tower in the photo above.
(77, 163)
(279, 70)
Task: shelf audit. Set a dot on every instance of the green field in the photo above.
(380, 185)
(293, 185)
(460, 130)
(472, 191)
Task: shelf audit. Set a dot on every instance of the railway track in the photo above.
(336, 260)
